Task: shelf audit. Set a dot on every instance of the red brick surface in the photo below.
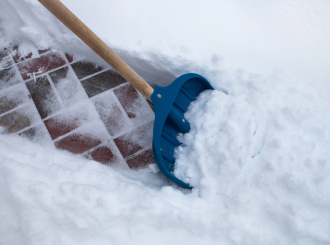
(77, 143)
(60, 124)
(9, 77)
(135, 140)
(69, 93)
(43, 96)
(110, 113)
(17, 57)
(141, 160)
(103, 155)
(102, 82)
(126, 146)
(128, 96)
(85, 68)
(40, 65)
(69, 57)
(19, 119)
(13, 97)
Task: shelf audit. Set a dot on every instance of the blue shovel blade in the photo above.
(170, 104)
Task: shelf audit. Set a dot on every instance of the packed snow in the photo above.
(257, 153)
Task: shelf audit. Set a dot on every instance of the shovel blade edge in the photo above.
(170, 104)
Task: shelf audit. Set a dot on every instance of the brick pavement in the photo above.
(76, 105)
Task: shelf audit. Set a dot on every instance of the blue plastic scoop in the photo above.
(170, 102)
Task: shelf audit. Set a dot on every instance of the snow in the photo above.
(264, 158)
(257, 156)
(69, 89)
(9, 77)
(116, 120)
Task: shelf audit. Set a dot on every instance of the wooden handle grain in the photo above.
(94, 42)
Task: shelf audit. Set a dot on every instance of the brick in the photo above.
(9, 77)
(110, 113)
(127, 95)
(77, 143)
(20, 57)
(85, 68)
(102, 82)
(42, 51)
(135, 140)
(134, 105)
(103, 154)
(67, 121)
(5, 58)
(19, 119)
(69, 57)
(37, 134)
(142, 160)
(14, 122)
(3, 54)
(13, 97)
(17, 58)
(59, 74)
(43, 96)
(30, 133)
(68, 86)
(40, 65)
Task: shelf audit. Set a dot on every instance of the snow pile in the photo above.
(221, 135)
(264, 158)
(51, 197)
(263, 122)
(258, 158)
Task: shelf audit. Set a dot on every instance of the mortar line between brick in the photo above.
(17, 108)
(77, 79)
(123, 110)
(79, 128)
(94, 74)
(110, 89)
(132, 129)
(137, 153)
(117, 153)
(96, 147)
(21, 83)
(66, 59)
(12, 64)
(42, 74)
(114, 147)
(34, 57)
(55, 91)
(34, 125)
(58, 68)
(113, 144)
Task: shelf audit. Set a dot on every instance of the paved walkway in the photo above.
(76, 105)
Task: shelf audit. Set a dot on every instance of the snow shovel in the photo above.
(170, 102)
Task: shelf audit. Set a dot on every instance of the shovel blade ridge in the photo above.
(170, 104)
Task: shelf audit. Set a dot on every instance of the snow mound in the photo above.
(262, 157)
(257, 157)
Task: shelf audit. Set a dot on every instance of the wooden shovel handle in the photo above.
(94, 42)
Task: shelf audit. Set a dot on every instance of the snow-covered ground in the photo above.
(258, 156)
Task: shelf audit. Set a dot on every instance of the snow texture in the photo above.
(265, 158)
(257, 155)
(114, 118)
(9, 77)
(69, 88)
